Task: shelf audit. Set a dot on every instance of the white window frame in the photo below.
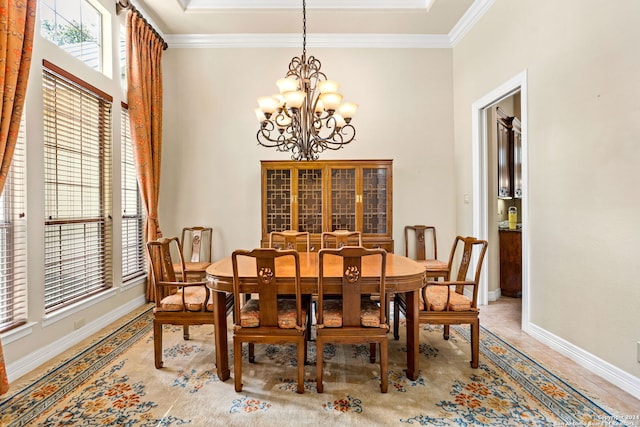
(78, 189)
(13, 244)
(102, 59)
(133, 255)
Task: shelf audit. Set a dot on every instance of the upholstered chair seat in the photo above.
(369, 313)
(250, 313)
(436, 297)
(193, 300)
(434, 265)
(193, 266)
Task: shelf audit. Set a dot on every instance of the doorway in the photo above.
(484, 205)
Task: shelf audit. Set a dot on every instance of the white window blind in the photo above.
(13, 245)
(133, 259)
(77, 145)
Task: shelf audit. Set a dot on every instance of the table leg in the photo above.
(413, 335)
(222, 352)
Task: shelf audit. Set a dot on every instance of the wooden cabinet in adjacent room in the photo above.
(511, 263)
(327, 196)
(509, 156)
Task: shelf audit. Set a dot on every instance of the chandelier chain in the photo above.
(304, 28)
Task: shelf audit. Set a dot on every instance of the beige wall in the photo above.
(583, 130)
(211, 164)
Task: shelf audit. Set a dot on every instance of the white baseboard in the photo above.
(25, 365)
(614, 375)
(494, 295)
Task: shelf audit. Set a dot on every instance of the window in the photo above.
(123, 58)
(133, 259)
(13, 250)
(76, 27)
(77, 145)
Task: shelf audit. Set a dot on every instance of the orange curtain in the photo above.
(144, 80)
(17, 20)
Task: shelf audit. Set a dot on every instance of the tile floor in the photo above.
(503, 317)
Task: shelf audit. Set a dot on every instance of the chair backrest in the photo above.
(268, 277)
(340, 238)
(362, 271)
(290, 239)
(197, 244)
(163, 254)
(463, 252)
(425, 244)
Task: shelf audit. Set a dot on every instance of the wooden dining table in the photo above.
(402, 275)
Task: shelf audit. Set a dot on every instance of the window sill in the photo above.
(50, 319)
(136, 281)
(17, 333)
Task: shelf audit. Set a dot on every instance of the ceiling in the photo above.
(405, 23)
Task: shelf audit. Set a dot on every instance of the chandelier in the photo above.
(308, 115)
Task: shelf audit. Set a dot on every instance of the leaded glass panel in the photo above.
(343, 199)
(278, 189)
(374, 199)
(310, 200)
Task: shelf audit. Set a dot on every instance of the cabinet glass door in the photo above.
(278, 200)
(517, 159)
(374, 200)
(504, 162)
(310, 200)
(343, 199)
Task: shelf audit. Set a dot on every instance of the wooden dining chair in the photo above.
(268, 318)
(290, 239)
(340, 238)
(421, 244)
(178, 301)
(296, 240)
(197, 245)
(354, 318)
(455, 302)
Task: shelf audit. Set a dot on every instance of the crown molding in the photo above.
(468, 20)
(379, 41)
(353, 40)
(207, 5)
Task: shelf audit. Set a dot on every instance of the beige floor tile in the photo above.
(503, 317)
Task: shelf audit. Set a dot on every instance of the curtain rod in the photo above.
(126, 4)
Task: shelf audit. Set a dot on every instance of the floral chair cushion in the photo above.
(193, 296)
(437, 299)
(196, 266)
(435, 265)
(250, 313)
(369, 313)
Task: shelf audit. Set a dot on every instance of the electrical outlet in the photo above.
(81, 322)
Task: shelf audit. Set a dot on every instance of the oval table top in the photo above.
(402, 274)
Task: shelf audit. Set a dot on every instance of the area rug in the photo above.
(113, 382)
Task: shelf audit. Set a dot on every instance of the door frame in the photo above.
(480, 174)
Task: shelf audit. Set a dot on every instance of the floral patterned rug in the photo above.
(112, 381)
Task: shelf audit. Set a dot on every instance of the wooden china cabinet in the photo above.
(327, 196)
